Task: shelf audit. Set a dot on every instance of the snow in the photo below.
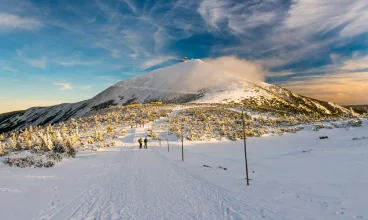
(321, 107)
(294, 176)
(234, 92)
(337, 106)
(188, 78)
(178, 83)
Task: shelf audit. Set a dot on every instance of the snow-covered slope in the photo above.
(192, 81)
(293, 176)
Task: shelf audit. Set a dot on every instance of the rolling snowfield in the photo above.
(294, 176)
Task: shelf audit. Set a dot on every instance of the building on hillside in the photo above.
(156, 102)
(184, 60)
(135, 104)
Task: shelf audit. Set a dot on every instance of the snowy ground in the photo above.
(294, 176)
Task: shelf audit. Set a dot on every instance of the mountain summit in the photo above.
(192, 81)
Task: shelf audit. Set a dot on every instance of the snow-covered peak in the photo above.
(185, 77)
(191, 81)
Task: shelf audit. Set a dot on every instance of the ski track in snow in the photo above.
(145, 185)
(40, 177)
(10, 190)
(296, 176)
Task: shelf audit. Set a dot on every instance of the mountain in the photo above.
(361, 109)
(191, 81)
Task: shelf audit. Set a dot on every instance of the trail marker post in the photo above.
(182, 143)
(167, 139)
(167, 134)
(245, 146)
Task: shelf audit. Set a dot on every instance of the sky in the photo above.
(70, 50)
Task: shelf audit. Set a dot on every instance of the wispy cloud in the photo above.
(3, 97)
(12, 22)
(131, 5)
(280, 74)
(75, 62)
(341, 88)
(131, 74)
(124, 38)
(145, 34)
(310, 27)
(68, 86)
(39, 63)
(8, 68)
(156, 61)
(281, 33)
(354, 64)
(237, 18)
(64, 86)
(322, 16)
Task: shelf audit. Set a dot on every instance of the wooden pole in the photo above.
(182, 144)
(245, 147)
(167, 139)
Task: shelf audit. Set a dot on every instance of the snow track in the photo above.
(145, 185)
(294, 176)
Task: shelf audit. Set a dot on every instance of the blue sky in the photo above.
(67, 51)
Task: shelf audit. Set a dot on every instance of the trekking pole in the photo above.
(245, 147)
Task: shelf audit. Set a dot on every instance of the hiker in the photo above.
(145, 143)
(140, 143)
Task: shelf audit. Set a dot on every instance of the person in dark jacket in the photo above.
(145, 143)
(140, 141)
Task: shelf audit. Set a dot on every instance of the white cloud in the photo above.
(280, 74)
(145, 34)
(3, 97)
(322, 16)
(213, 11)
(131, 5)
(11, 22)
(75, 62)
(237, 18)
(294, 33)
(39, 63)
(68, 86)
(115, 53)
(354, 64)
(335, 58)
(132, 74)
(341, 88)
(8, 68)
(234, 67)
(64, 86)
(160, 38)
(155, 61)
(134, 40)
